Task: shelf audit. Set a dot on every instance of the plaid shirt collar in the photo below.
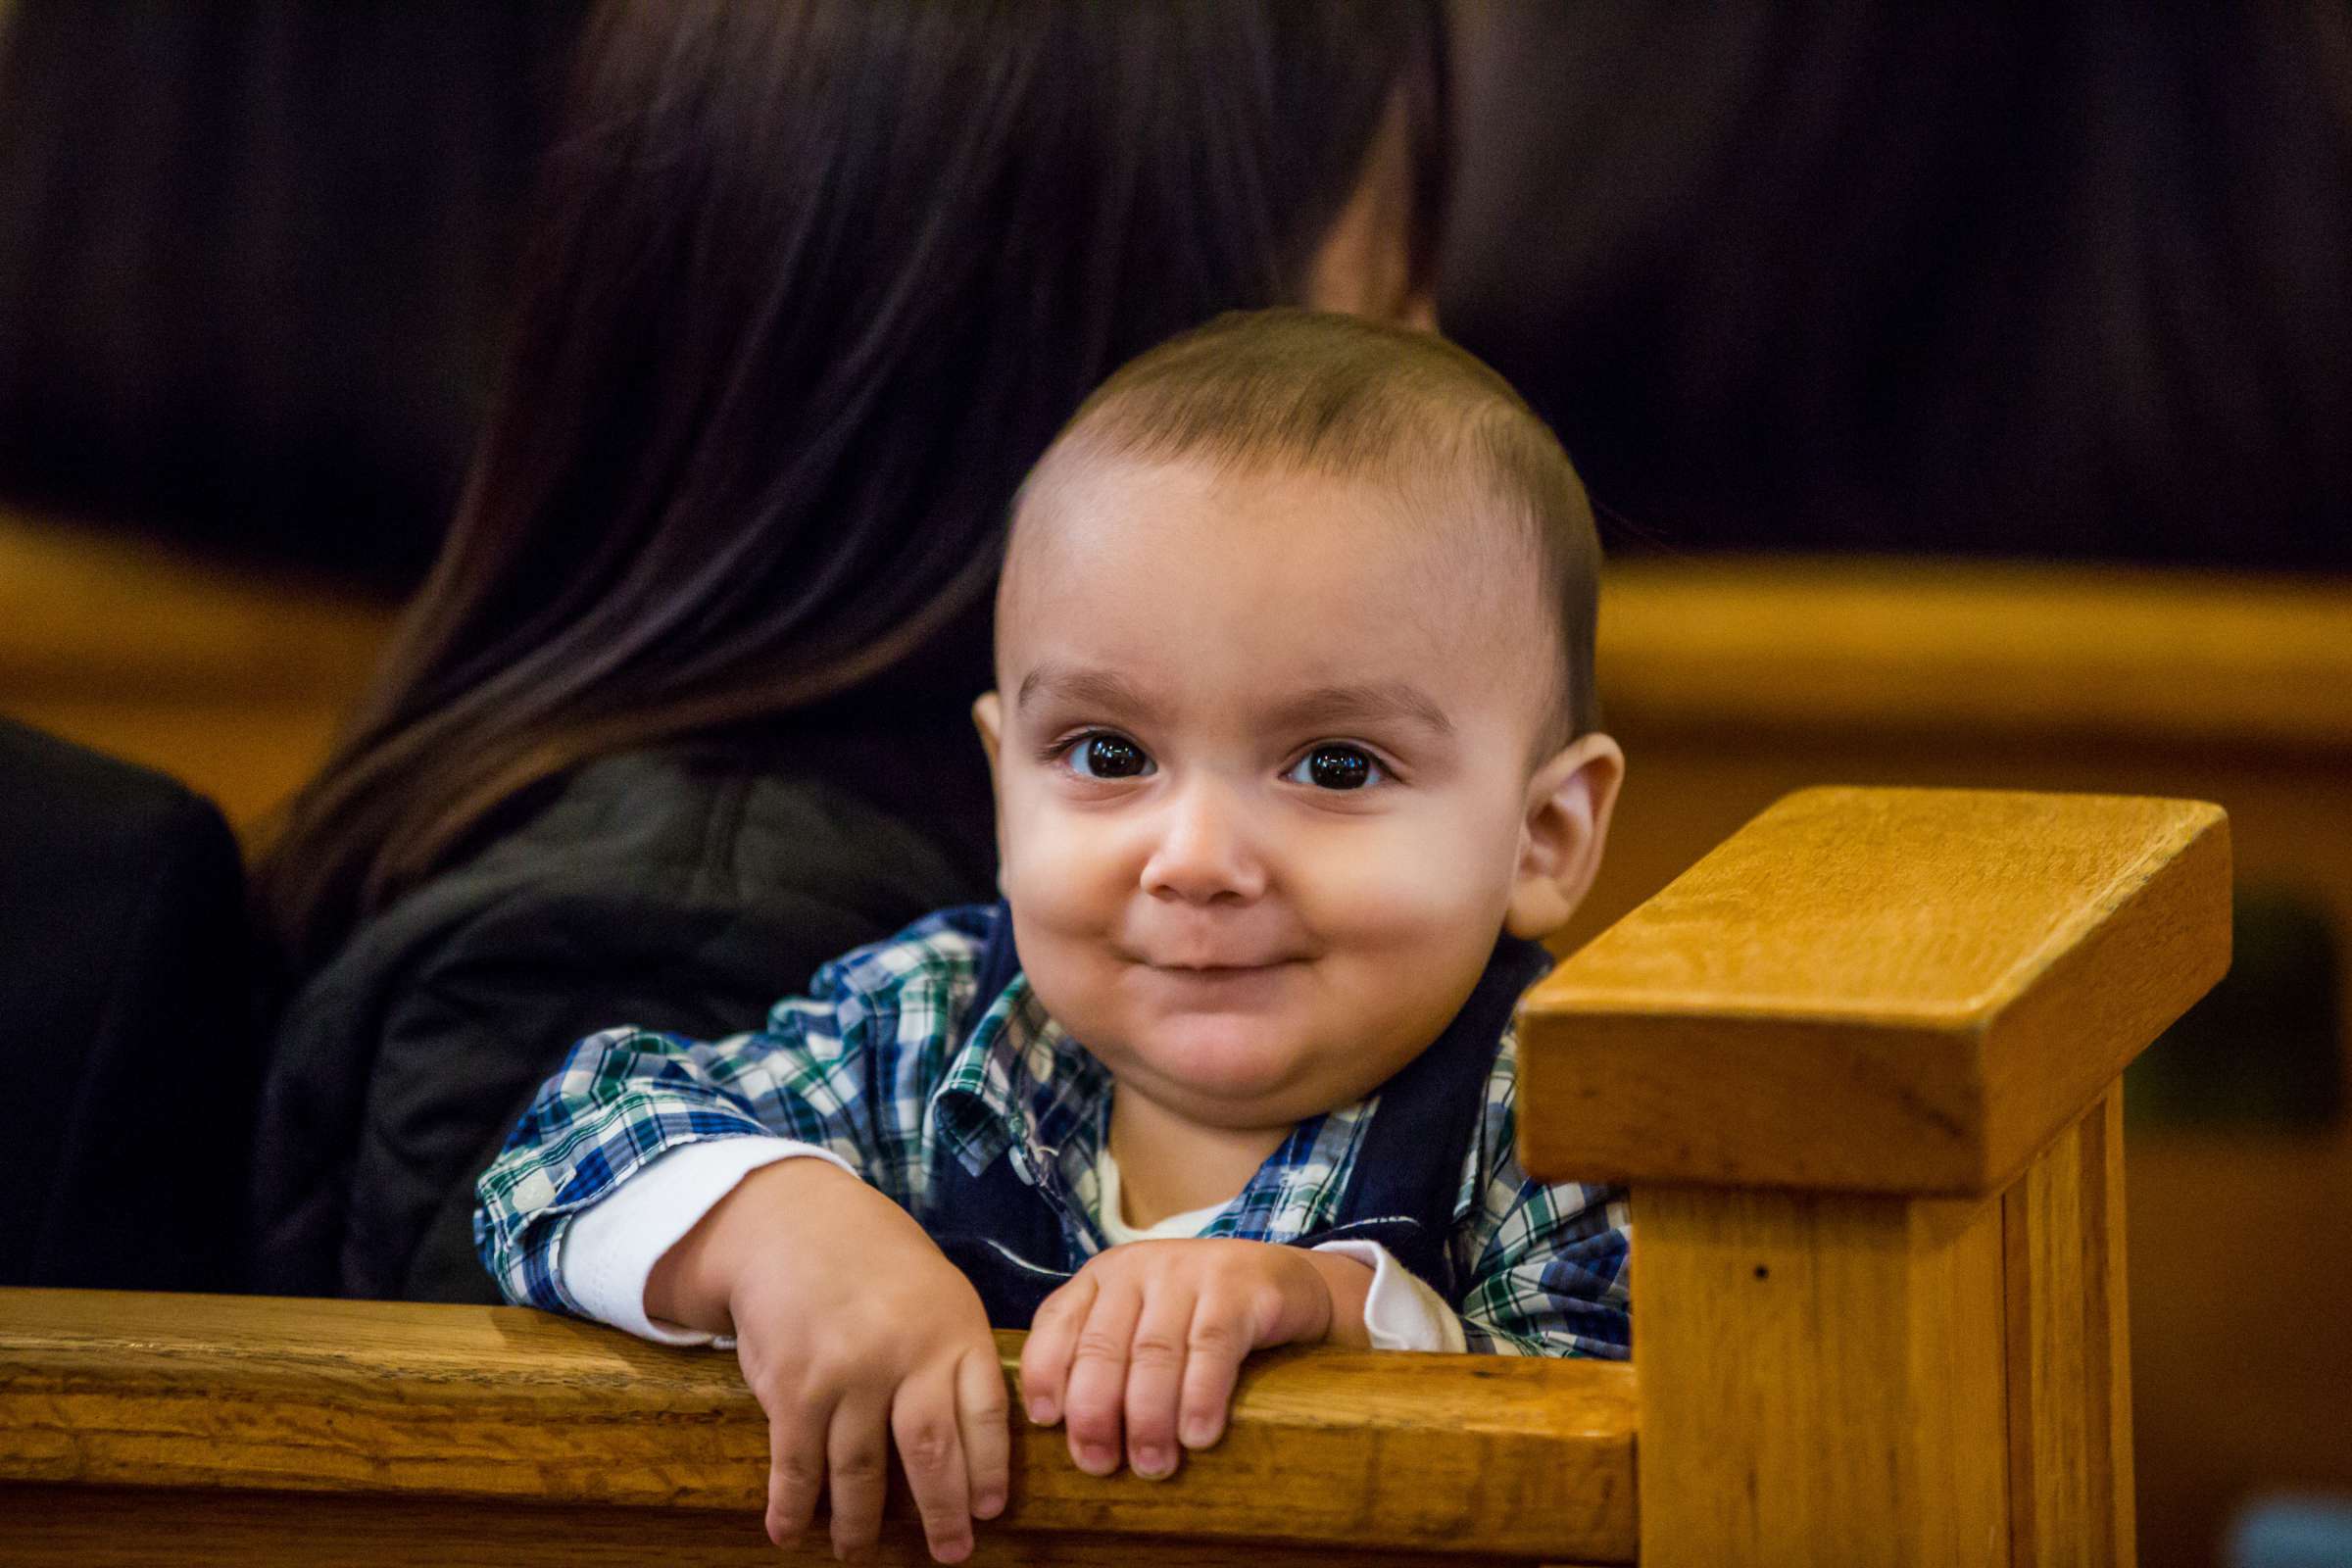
(1019, 1082)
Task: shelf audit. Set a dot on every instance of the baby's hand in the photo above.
(857, 1336)
(1150, 1336)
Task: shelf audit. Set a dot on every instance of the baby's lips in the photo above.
(1182, 960)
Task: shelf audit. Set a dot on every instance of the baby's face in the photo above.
(1263, 751)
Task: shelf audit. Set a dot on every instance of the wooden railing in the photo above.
(1858, 1065)
(150, 1419)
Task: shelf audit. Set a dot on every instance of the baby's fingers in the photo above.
(796, 1465)
(923, 1423)
(1052, 1340)
(1221, 1338)
(1097, 1385)
(858, 1462)
(981, 1412)
(1154, 1373)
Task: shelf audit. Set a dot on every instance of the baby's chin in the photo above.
(1230, 1069)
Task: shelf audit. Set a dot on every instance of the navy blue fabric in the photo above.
(1012, 1239)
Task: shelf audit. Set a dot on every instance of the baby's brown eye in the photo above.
(1336, 767)
(1108, 757)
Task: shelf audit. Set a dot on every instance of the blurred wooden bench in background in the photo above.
(1859, 1066)
(231, 681)
(1732, 681)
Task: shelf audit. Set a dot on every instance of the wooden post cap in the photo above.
(1876, 990)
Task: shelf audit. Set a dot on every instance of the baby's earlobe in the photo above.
(1539, 908)
(1568, 806)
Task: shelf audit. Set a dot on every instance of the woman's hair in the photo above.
(814, 283)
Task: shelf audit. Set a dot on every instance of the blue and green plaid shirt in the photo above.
(869, 1066)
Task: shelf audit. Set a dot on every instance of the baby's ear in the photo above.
(1560, 839)
(988, 717)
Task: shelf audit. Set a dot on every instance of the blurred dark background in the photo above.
(2065, 280)
(254, 259)
(2057, 280)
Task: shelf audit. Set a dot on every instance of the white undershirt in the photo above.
(609, 1251)
(1110, 1193)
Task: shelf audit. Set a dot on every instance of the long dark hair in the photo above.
(814, 283)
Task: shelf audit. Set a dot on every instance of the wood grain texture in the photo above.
(1822, 1378)
(1896, 991)
(2069, 1348)
(1944, 648)
(1490, 1459)
(94, 1527)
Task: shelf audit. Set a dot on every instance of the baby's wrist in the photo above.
(1345, 1284)
(694, 1282)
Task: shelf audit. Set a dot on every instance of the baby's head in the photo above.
(1294, 709)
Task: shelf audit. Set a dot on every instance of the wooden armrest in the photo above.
(1485, 1458)
(1875, 989)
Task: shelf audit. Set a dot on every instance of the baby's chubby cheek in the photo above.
(1064, 885)
(1416, 897)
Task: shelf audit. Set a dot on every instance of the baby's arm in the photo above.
(852, 1329)
(855, 1332)
(621, 1102)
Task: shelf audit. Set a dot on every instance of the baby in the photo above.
(1294, 761)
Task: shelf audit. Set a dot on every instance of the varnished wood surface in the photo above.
(2069, 1349)
(1490, 1459)
(1822, 1378)
(1734, 645)
(1902, 991)
(105, 1527)
(1866, 1377)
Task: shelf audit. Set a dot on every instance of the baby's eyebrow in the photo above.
(1359, 705)
(1081, 688)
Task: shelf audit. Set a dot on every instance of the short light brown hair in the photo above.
(1339, 395)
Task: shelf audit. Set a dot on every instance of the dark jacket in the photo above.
(128, 1040)
(683, 891)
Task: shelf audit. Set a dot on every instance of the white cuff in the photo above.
(610, 1246)
(1400, 1311)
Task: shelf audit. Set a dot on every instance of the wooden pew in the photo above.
(1734, 681)
(1858, 1065)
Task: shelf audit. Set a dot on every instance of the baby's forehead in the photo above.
(1470, 543)
(1402, 549)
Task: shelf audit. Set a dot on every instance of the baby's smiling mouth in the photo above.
(1219, 967)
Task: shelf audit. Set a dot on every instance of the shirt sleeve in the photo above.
(1400, 1311)
(610, 1246)
(1548, 1263)
(846, 1070)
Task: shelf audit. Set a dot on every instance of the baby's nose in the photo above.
(1204, 850)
